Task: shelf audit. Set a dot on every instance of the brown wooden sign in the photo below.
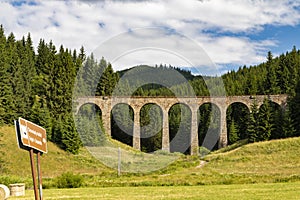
(31, 136)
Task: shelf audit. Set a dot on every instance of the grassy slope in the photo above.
(55, 162)
(265, 162)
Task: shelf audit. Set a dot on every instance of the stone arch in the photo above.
(151, 123)
(209, 129)
(180, 136)
(274, 104)
(122, 122)
(89, 108)
(237, 116)
(89, 125)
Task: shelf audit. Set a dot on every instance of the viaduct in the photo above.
(106, 104)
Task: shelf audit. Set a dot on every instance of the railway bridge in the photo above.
(106, 105)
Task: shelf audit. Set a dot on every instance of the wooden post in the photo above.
(33, 174)
(39, 175)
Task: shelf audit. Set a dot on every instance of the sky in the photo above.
(187, 34)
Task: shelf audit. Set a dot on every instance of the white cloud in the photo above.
(222, 28)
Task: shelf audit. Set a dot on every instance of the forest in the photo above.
(39, 85)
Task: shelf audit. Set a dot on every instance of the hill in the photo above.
(271, 162)
(185, 73)
(15, 161)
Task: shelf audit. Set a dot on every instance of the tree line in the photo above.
(39, 86)
(279, 75)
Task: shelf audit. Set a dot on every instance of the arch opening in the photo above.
(90, 126)
(122, 117)
(237, 117)
(151, 119)
(271, 117)
(180, 128)
(209, 120)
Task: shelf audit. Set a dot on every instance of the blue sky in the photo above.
(231, 33)
(285, 36)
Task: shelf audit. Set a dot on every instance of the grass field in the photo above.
(259, 163)
(286, 191)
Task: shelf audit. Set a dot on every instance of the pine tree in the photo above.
(288, 129)
(271, 81)
(108, 79)
(89, 78)
(40, 115)
(45, 65)
(26, 74)
(284, 74)
(253, 124)
(233, 135)
(294, 105)
(70, 138)
(293, 65)
(16, 79)
(6, 93)
(265, 122)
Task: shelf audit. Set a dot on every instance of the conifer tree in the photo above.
(288, 129)
(271, 79)
(294, 105)
(253, 124)
(16, 79)
(108, 79)
(45, 66)
(40, 115)
(294, 67)
(284, 75)
(6, 104)
(266, 125)
(233, 135)
(69, 137)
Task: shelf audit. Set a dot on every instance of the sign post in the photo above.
(32, 138)
(33, 172)
(38, 160)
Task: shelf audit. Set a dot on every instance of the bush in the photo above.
(6, 180)
(161, 152)
(69, 180)
(203, 151)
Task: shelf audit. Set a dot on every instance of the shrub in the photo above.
(69, 180)
(6, 180)
(203, 151)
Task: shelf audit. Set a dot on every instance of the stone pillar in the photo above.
(136, 130)
(223, 126)
(194, 132)
(106, 119)
(165, 131)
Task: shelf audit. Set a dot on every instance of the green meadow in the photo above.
(259, 191)
(264, 170)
